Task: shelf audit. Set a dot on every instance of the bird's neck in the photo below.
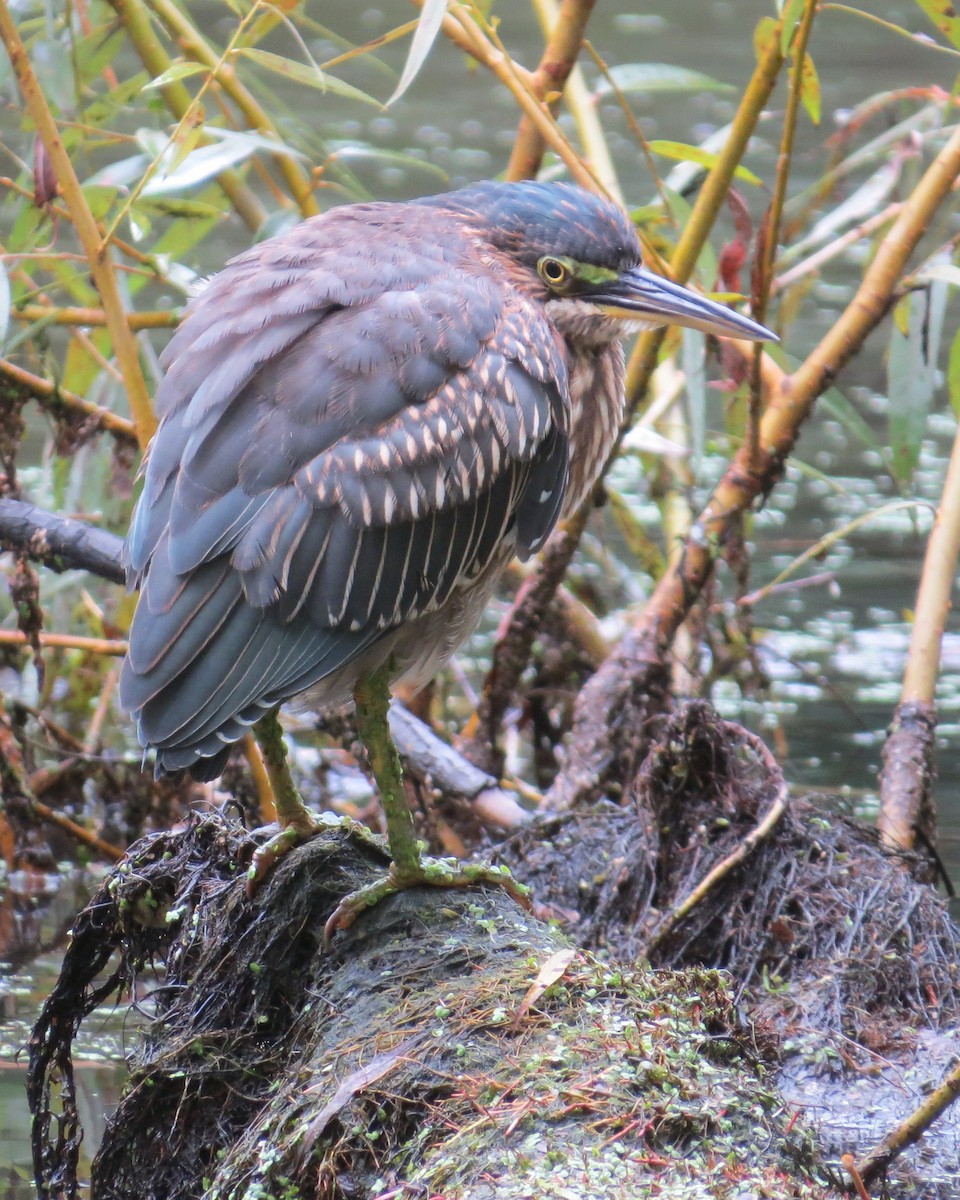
(597, 407)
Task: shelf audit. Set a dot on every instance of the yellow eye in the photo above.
(553, 271)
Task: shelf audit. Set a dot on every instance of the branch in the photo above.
(61, 543)
(195, 46)
(177, 98)
(164, 318)
(512, 651)
(53, 398)
(566, 31)
(911, 1128)
(124, 343)
(607, 706)
(65, 543)
(465, 26)
(907, 775)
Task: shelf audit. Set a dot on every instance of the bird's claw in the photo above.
(430, 872)
(294, 834)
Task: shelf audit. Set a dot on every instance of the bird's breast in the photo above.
(596, 411)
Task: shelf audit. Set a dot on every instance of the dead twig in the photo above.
(723, 868)
(911, 1128)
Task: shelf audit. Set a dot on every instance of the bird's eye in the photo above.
(553, 271)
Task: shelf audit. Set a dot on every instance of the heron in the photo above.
(362, 420)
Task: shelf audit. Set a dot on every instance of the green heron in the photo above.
(361, 421)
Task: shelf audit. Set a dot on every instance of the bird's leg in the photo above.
(409, 868)
(297, 823)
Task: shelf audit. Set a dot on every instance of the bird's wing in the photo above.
(335, 453)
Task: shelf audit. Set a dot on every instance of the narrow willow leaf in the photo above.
(810, 89)
(5, 301)
(953, 375)
(868, 199)
(693, 361)
(767, 30)
(944, 15)
(696, 154)
(946, 272)
(836, 404)
(659, 77)
(364, 152)
(789, 20)
(51, 61)
(97, 50)
(177, 70)
(310, 76)
(911, 378)
(431, 18)
(200, 165)
(119, 174)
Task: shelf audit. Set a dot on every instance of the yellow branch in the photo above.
(49, 394)
(66, 641)
(164, 318)
(124, 343)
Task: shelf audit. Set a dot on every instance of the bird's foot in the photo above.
(301, 829)
(429, 872)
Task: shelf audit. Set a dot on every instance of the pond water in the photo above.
(834, 653)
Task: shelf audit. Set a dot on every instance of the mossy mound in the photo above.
(450, 1042)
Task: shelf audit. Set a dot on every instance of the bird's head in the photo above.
(582, 257)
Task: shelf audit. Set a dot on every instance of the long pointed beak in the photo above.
(641, 295)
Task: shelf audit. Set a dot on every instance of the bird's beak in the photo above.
(639, 295)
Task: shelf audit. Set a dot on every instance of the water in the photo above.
(834, 654)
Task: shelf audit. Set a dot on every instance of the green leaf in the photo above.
(5, 299)
(767, 30)
(943, 14)
(119, 174)
(789, 20)
(911, 377)
(98, 50)
(810, 89)
(703, 158)
(428, 26)
(310, 76)
(51, 61)
(364, 152)
(199, 166)
(176, 71)
(953, 374)
(659, 77)
(945, 272)
(180, 207)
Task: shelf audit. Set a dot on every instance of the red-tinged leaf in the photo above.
(734, 253)
(45, 185)
(943, 14)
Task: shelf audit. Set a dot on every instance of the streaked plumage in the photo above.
(361, 421)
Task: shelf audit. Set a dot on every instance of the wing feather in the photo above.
(337, 453)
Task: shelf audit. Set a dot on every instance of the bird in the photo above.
(362, 420)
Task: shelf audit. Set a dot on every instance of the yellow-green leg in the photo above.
(409, 868)
(297, 823)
